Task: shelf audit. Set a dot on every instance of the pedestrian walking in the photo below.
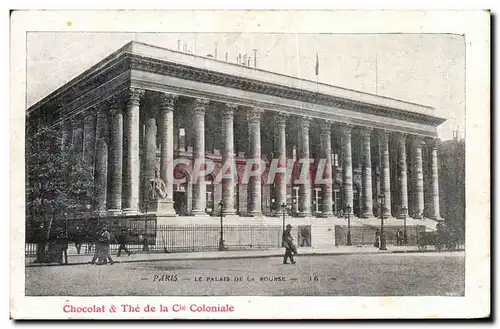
(306, 237)
(290, 248)
(93, 240)
(78, 237)
(122, 240)
(104, 241)
(399, 237)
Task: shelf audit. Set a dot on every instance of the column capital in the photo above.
(116, 108)
(366, 131)
(89, 117)
(167, 101)
(281, 118)
(75, 119)
(432, 142)
(229, 109)
(254, 114)
(305, 122)
(401, 136)
(325, 126)
(200, 104)
(346, 129)
(418, 141)
(135, 96)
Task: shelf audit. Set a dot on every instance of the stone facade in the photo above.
(134, 115)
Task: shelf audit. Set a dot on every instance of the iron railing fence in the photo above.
(365, 235)
(146, 236)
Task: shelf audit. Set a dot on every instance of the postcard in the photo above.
(250, 164)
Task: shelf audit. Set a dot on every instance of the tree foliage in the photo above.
(57, 183)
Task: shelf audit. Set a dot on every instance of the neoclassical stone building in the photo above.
(143, 107)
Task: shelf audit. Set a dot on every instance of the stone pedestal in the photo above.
(161, 207)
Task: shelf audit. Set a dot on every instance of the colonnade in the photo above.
(111, 136)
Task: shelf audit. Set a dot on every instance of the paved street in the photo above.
(338, 275)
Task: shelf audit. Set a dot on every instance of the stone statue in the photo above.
(158, 189)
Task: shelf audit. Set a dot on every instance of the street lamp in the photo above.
(221, 241)
(348, 209)
(283, 208)
(145, 246)
(382, 236)
(405, 236)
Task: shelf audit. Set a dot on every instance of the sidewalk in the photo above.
(215, 255)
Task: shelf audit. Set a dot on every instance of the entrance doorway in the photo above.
(356, 201)
(180, 201)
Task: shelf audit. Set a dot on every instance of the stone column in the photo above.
(101, 163)
(367, 210)
(419, 178)
(167, 102)
(131, 161)
(149, 150)
(199, 187)
(254, 184)
(347, 168)
(115, 163)
(67, 135)
(326, 154)
(77, 141)
(403, 189)
(305, 186)
(89, 138)
(385, 172)
(282, 160)
(228, 158)
(435, 211)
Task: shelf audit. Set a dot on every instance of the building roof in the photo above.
(210, 65)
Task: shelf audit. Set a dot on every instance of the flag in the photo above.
(317, 65)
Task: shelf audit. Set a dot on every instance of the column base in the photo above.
(198, 213)
(325, 215)
(367, 215)
(402, 215)
(254, 214)
(100, 213)
(228, 212)
(113, 212)
(418, 217)
(304, 214)
(130, 212)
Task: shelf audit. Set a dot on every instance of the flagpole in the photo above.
(376, 74)
(316, 70)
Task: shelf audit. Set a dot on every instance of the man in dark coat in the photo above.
(104, 241)
(122, 240)
(78, 238)
(290, 248)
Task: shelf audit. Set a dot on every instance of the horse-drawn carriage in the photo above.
(444, 238)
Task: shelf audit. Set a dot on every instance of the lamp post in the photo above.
(283, 209)
(145, 246)
(382, 236)
(221, 241)
(405, 235)
(348, 209)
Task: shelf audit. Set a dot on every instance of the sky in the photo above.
(428, 69)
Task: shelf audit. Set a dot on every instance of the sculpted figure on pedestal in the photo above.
(158, 188)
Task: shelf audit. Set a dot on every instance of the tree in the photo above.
(57, 183)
